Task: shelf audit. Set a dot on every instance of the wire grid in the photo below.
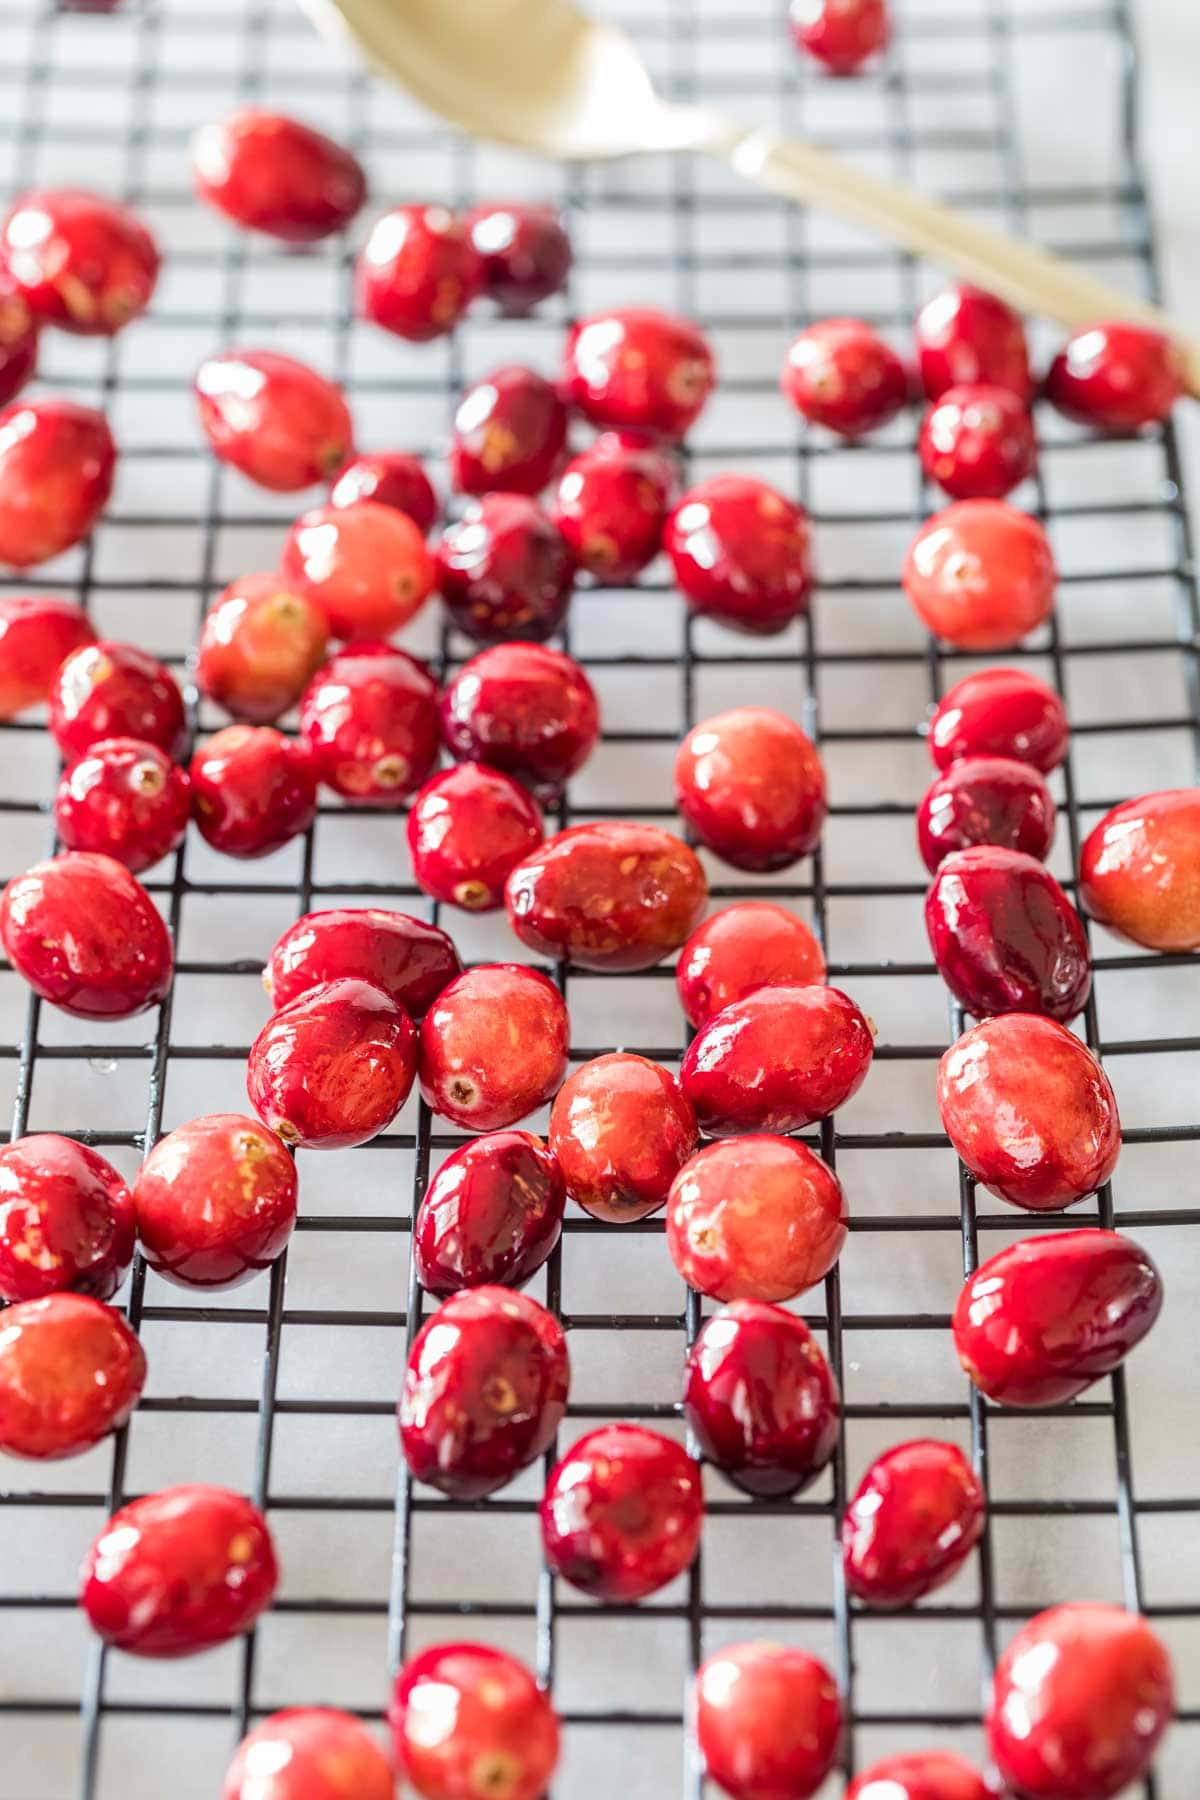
(269, 1389)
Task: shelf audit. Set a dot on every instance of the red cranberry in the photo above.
(253, 790)
(57, 462)
(274, 174)
(278, 421)
(524, 250)
(912, 1522)
(768, 1721)
(216, 1202)
(842, 34)
(752, 787)
(742, 554)
(179, 1571)
(612, 504)
(966, 336)
(370, 719)
(1000, 712)
(71, 1372)
(390, 478)
(66, 1220)
(85, 935)
(18, 339)
(504, 571)
(418, 272)
(1005, 937)
(778, 1060)
(978, 442)
(409, 959)
(981, 575)
(986, 800)
(468, 828)
(493, 1046)
(309, 1753)
(484, 1392)
(840, 374)
(367, 566)
(260, 645)
(750, 945)
(492, 1213)
(639, 369)
(523, 708)
(111, 690)
(333, 1068)
(923, 1775)
(1116, 377)
(126, 799)
(510, 431)
(494, 1734)
(82, 262)
(761, 1399)
(609, 896)
(36, 632)
(1139, 870)
(621, 1131)
(1044, 1318)
(622, 1513)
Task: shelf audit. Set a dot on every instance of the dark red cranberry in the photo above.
(510, 432)
(492, 1213)
(1044, 1318)
(390, 478)
(418, 272)
(37, 631)
(406, 957)
(309, 1753)
(635, 368)
(981, 575)
(71, 1372)
(274, 174)
(494, 1046)
(1000, 712)
(1117, 377)
(524, 250)
(111, 690)
(179, 1571)
(768, 1721)
(741, 553)
(523, 708)
(778, 1060)
(215, 1201)
(333, 1068)
(125, 799)
(278, 421)
(621, 1131)
(467, 829)
(504, 571)
(978, 443)
(82, 262)
(484, 1392)
(751, 785)
(842, 34)
(85, 935)
(57, 462)
(66, 1220)
(18, 339)
(750, 945)
(622, 1513)
(366, 565)
(1139, 870)
(840, 374)
(260, 645)
(500, 1735)
(253, 790)
(761, 1399)
(923, 1775)
(1005, 937)
(911, 1524)
(986, 800)
(370, 719)
(612, 504)
(965, 336)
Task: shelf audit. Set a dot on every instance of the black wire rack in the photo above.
(374, 1567)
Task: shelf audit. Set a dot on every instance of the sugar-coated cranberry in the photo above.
(761, 1399)
(741, 553)
(778, 1060)
(768, 1721)
(126, 799)
(85, 935)
(179, 1571)
(1030, 1111)
(639, 369)
(842, 34)
(621, 1130)
(510, 432)
(484, 1392)
(622, 1513)
(82, 262)
(964, 336)
(18, 339)
(613, 896)
(406, 957)
(417, 272)
(71, 1372)
(215, 1201)
(749, 945)
(470, 1723)
(274, 418)
(504, 570)
(37, 632)
(57, 462)
(492, 1213)
(611, 506)
(309, 1753)
(981, 575)
(523, 708)
(390, 478)
(260, 645)
(66, 1220)
(1005, 937)
(366, 565)
(524, 250)
(468, 828)
(253, 790)
(840, 374)
(978, 442)
(333, 1068)
(277, 175)
(751, 785)
(911, 1524)
(1000, 712)
(1043, 1319)
(921, 1775)
(494, 1046)
(1139, 870)
(111, 690)
(1116, 377)
(1081, 1698)
(986, 800)
(370, 719)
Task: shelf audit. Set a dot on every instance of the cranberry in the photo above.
(468, 828)
(492, 1213)
(779, 1059)
(1044, 1318)
(82, 262)
(260, 645)
(1080, 1699)
(1000, 712)
(484, 1392)
(986, 800)
(1139, 870)
(66, 1220)
(742, 554)
(524, 250)
(911, 1524)
(409, 959)
(71, 1372)
(418, 272)
(1005, 937)
(504, 571)
(966, 336)
(390, 478)
(253, 790)
(840, 374)
(333, 1068)
(309, 1753)
(978, 442)
(496, 1735)
(179, 1571)
(370, 720)
(493, 1046)
(1116, 377)
(85, 935)
(622, 1513)
(111, 690)
(274, 174)
(981, 575)
(523, 708)
(607, 896)
(510, 432)
(612, 504)
(36, 632)
(842, 34)
(750, 945)
(216, 1202)
(768, 1721)
(57, 462)
(621, 1131)
(126, 799)
(752, 787)
(923, 1775)
(18, 339)
(639, 369)
(761, 1399)
(367, 565)
(278, 421)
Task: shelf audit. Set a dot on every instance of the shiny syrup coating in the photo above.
(611, 505)
(468, 828)
(82, 262)
(85, 935)
(751, 944)
(392, 478)
(523, 708)
(491, 1214)
(333, 1068)
(504, 571)
(66, 1220)
(839, 373)
(986, 800)
(408, 958)
(1000, 712)
(253, 790)
(778, 1060)
(1116, 377)
(493, 1046)
(57, 463)
(966, 335)
(500, 1736)
(37, 633)
(921, 1775)
(751, 785)
(370, 719)
(639, 369)
(525, 251)
(981, 575)
(911, 1524)
(113, 690)
(270, 173)
(741, 552)
(768, 1721)
(367, 566)
(1139, 870)
(261, 643)
(125, 799)
(71, 1372)
(510, 434)
(275, 419)
(309, 1753)
(417, 272)
(1005, 937)
(978, 443)
(620, 1130)
(622, 1513)
(215, 1201)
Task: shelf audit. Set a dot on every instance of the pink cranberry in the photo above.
(1139, 870)
(750, 945)
(409, 959)
(260, 645)
(842, 34)
(278, 421)
(1000, 712)
(37, 631)
(751, 785)
(309, 1753)
(85, 935)
(66, 1220)
(126, 799)
(333, 1068)
(274, 174)
(965, 336)
(923, 1775)
(253, 790)
(418, 272)
(504, 571)
(621, 1130)
(1116, 377)
(370, 720)
(622, 1513)
(500, 1740)
(366, 565)
(742, 554)
(1005, 937)
(390, 478)
(638, 369)
(768, 1721)
(523, 708)
(467, 829)
(492, 1213)
(978, 442)
(912, 1522)
(111, 690)
(981, 575)
(493, 1046)
(71, 1372)
(612, 504)
(525, 252)
(510, 432)
(216, 1202)
(57, 462)
(778, 1060)
(840, 374)
(18, 339)
(82, 262)
(986, 800)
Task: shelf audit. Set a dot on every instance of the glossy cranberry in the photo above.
(842, 34)
(126, 799)
(309, 1753)
(82, 262)
(621, 1130)
(981, 575)
(612, 504)
(978, 442)
(611, 896)
(493, 1046)
(333, 1068)
(484, 1392)
(1005, 937)
(406, 957)
(37, 631)
(1139, 870)
(911, 1524)
(1116, 377)
(523, 708)
(622, 1513)
(1080, 1699)
(417, 272)
(71, 1372)
(964, 336)
(761, 1399)
(749, 945)
(1044, 1318)
(253, 790)
(366, 565)
(18, 339)
(468, 828)
(216, 1202)
(85, 935)
(470, 1723)
(1030, 1111)
(510, 432)
(504, 571)
(492, 1213)
(179, 1571)
(751, 785)
(986, 800)
(278, 421)
(57, 462)
(840, 374)
(1000, 712)
(66, 1220)
(390, 478)
(741, 553)
(277, 175)
(923, 1775)
(524, 250)
(260, 645)
(111, 690)
(778, 1060)
(638, 369)
(768, 1721)
(370, 719)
